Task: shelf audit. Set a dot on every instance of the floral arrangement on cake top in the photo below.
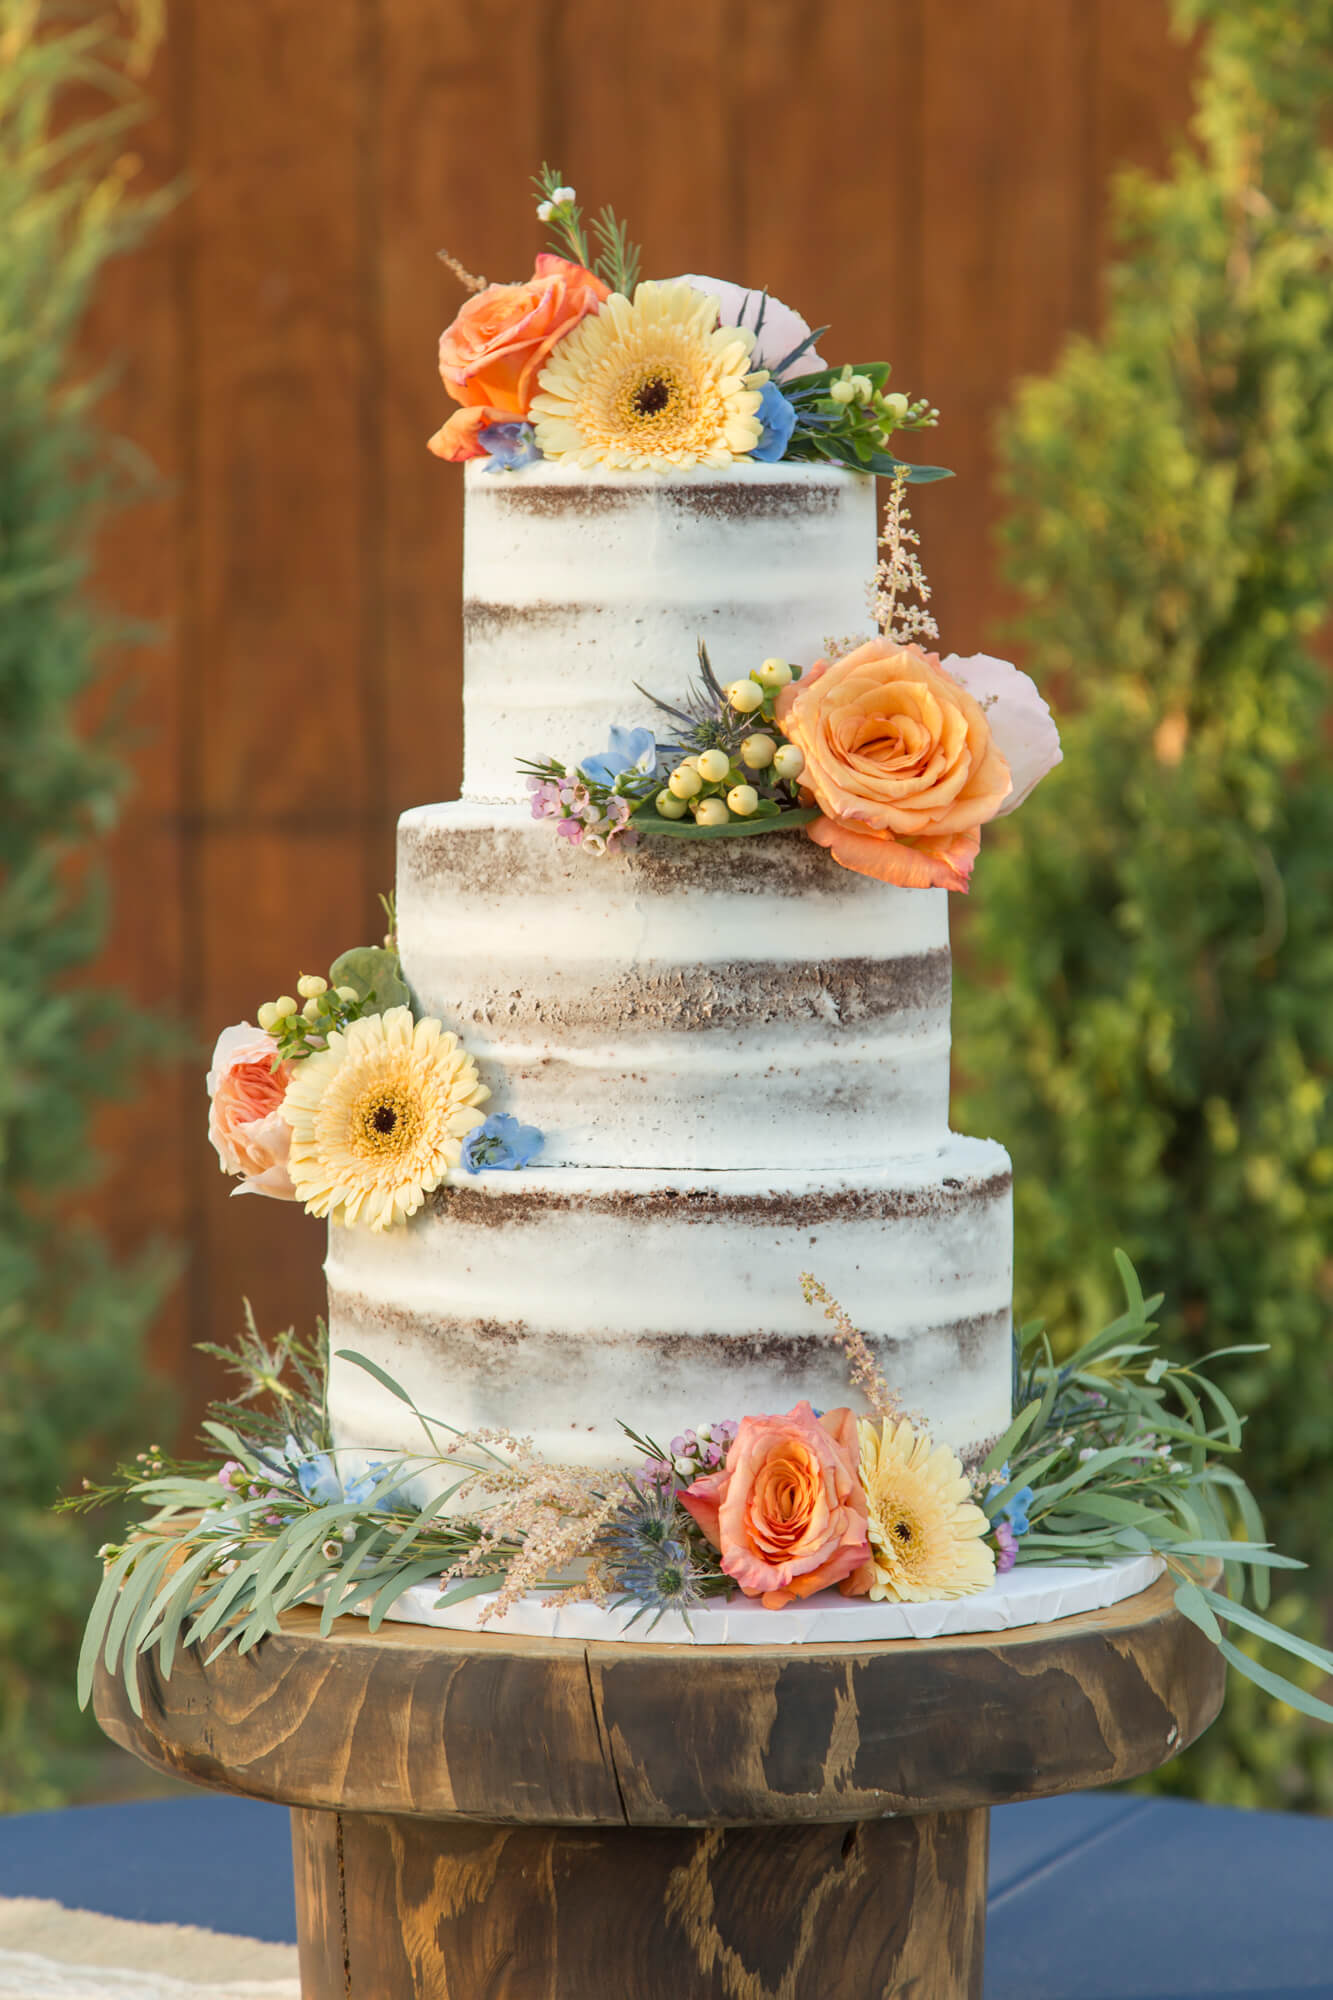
(1120, 1451)
(345, 1101)
(582, 363)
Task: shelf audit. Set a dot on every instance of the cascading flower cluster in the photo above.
(349, 1104)
(582, 364)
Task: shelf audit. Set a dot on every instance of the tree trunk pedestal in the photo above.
(485, 1818)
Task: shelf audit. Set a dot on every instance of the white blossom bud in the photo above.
(545, 210)
(789, 761)
(742, 800)
(745, 697)
(331, 1550)
(774, 674)
(758, 752)
(684, 1467)
(712, 812)
(310, 985)
(563, 196)
(669, 807)
(713, 766)
(685, 783)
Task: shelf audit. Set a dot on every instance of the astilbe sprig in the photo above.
(899, 592)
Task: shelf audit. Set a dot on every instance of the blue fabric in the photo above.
(1099, 1896)
(216, 1861)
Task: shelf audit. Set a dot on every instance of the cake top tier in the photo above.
(583, 589)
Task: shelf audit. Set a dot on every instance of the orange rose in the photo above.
(787, 1510)
(245, 1122)
(491, 356)
(900, 761)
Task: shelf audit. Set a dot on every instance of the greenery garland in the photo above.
(1120, 1451)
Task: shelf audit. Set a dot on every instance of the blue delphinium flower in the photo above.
(779, 421)
(500, 1143)
(509, 446)
(318, 1479)
(321, 1482)
(630, 750)
(1015, 1508)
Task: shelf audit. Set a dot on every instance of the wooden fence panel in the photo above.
(928, 175)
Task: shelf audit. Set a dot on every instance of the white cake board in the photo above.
(1033, 1595)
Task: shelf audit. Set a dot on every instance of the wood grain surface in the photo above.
(930, 176)
(401, 1909)
(548, 1732)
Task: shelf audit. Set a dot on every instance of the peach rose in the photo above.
(245, 1122)
(900, 760)
(787, 1509)
(491, 356)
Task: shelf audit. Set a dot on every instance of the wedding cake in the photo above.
(653, 1062)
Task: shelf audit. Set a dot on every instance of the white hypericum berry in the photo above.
(745, 697)
(311, 1008)
(712, 812)
(789, 761)
(685, 783)
(545, 210)
(896, 406)
(742, 800)
(347, 993)
(283, 1006)
(864, 388)
(310, 985)
(774, 674)
(758, 752)
(670, 807)
(267, 1015)
(713, 765)
(842, 392)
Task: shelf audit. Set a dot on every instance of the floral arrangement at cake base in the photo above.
(1119, 1452)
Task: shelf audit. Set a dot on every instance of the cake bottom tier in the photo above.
(556, 1304)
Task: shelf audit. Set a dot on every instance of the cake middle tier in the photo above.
(711, 1005)
(557, 1304)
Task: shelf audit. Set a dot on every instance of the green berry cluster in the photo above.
(738, 780)
(301, 1027)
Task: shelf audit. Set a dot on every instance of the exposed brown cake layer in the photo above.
(497, 1350)
(490, 861)
(712, 500)
(845, 993)
(775, 1207)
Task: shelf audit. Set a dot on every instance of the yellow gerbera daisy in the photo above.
(653, 383)
(379, 1117)
(925, 1530)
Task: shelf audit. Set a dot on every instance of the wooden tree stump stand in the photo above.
(484, 1818)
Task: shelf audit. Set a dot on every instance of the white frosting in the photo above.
(577, 587)
(558, 1303)
(724, 1010)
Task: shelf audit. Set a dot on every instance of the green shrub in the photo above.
(1146, 1017)
(71, 1314)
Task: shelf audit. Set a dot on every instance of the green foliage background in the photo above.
(72, 1314)
(1147, 1018)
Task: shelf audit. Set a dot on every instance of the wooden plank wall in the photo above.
(929, 176)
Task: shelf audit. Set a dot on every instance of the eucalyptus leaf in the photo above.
(377, 975)
(652, 823)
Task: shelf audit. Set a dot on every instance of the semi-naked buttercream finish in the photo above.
(558, 1302)
(576, 587)
(719, 1005)
(738, 1052)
